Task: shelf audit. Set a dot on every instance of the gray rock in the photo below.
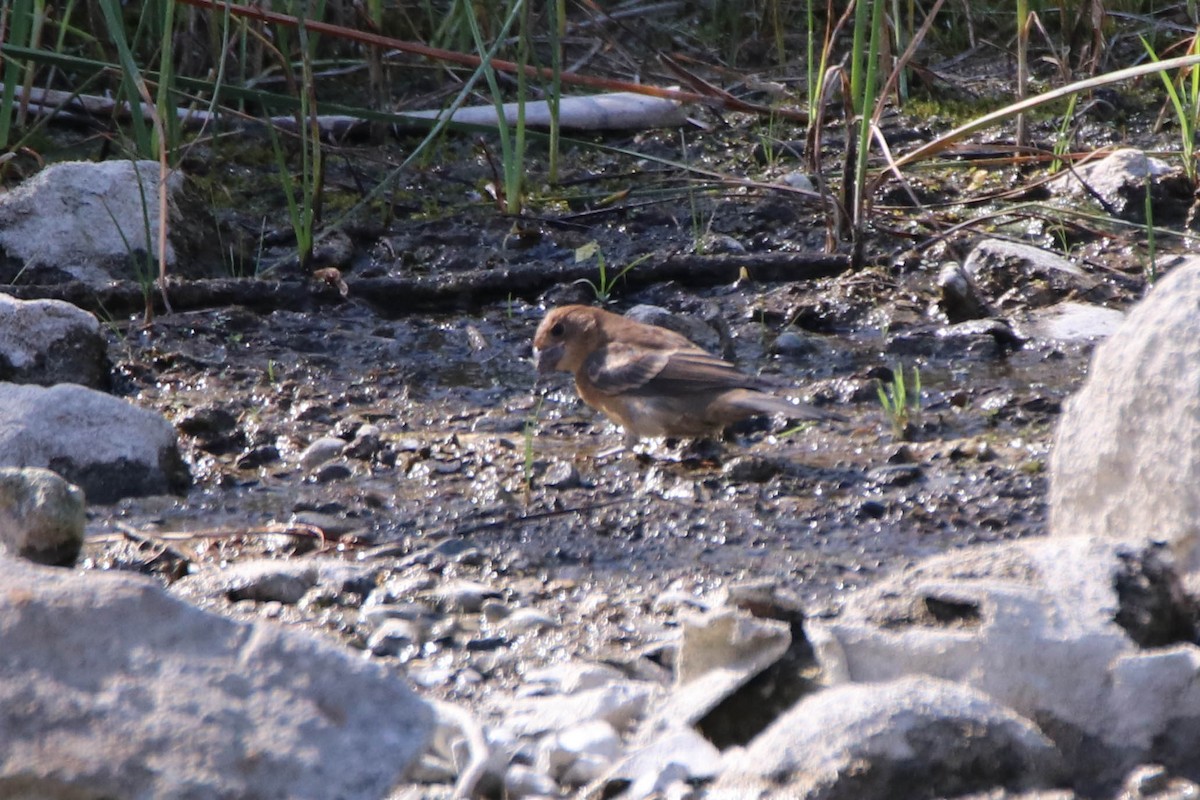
(562, 475)
(753, 468)
(801, 344)
(41, 516)
(324, 449)
(108, 447)
(1126, 455)
(1015, 274)
(977, 338)
(268, 580)
(112, 688)
(367, 442)
(528, 620)
(720, 652)
(82, 220)
(580, 753)
(1119, 180)
(1050, 628)
(49, 341)
(335, 471)
(910, 738)
(401, 638)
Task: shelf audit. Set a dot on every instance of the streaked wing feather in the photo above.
(696, 369)
(618, 368)
(621, 368)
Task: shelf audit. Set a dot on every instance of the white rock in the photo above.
(110, 687)
(110, 448)
(617, 704)
(680, 747)
(49, 341)
(41, 516)
(573, 676)
(657, 784)
(62, 219)
(1126, 456)
(397, 637)
(915, 737)
(582, 752)
(463, 595)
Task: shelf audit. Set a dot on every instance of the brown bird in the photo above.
(650, 380)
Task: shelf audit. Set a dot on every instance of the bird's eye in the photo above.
(557, 330)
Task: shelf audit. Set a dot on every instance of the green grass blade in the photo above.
(131, 77)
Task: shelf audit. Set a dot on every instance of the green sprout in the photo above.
(604, 287)
(898, 405)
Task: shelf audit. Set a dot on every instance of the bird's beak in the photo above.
(547, 359)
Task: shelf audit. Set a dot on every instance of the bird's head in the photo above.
(565, 337)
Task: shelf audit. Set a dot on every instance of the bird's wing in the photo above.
(621, 368)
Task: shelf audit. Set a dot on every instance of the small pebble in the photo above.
(562, 475)
(495, 611)
(896, 475)
(751, 469)
(337, 471)
(528, 620)
(401, 638)
(466, 596)
(258, 457)
(324, 449)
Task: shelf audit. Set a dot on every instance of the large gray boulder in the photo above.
(108, 447)
(82, 220)
(111, 688)
(1126, 456)
(909, 738)
(49, 341)
(1091, 638)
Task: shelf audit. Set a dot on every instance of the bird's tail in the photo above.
(764, 403)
